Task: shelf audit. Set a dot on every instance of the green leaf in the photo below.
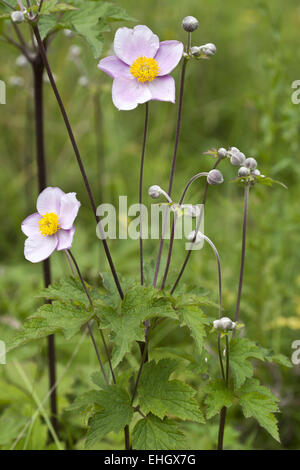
(89, 21)
(241, 351)
(52, 318)
(33, 329)
(267, 181)
(160, 395)
(193, 317)
(280, 359)
(152, 433)
(53, 6)
(70, 289)
(116, 413)
(139, 303)
(11, 423)
(65, 317)
(218, 396)
(259, 402)
(85, 401)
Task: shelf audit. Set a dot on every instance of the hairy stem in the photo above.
(196, 231)
(178, 127)
(141, 191)
(194, 178)
(69, 253)
(238, 302)
(38, 70)
(223, 412)
(77, 153)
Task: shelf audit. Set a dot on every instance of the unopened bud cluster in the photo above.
(190, 24)
(224, 324)
(247, 166)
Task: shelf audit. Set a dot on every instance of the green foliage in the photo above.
(160, 396)
(242, 350)
(258, 402)
(153, 433)
(67, 314)
(115, 413)
(193, 317)
(88, 20)
(139, 303)
(217, 396)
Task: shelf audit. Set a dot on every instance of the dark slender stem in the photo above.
(196, 231)
(227, 360)
(38, 70)
(224, 409)
(246, 200)
(77, 153)
(126, 429)
(143, 360)
(90, 331)
(127, 437)
(141, 191)
(18, 46)
(222, 427)
(220, 356)
(40, 5)
(194, 178)
(178, 127)
(98, 122)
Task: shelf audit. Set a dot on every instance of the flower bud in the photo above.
(222, 153)
(190, 24)
(237, 158)
(243, 171)
(215, 177)
(196, 51)
(17, 17)
(209, 49)
(224, 324)
(191, 237)
(251, 163)
(256, 173)
(154, 191)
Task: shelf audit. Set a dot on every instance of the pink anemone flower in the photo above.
(51, 227)
(140, 67)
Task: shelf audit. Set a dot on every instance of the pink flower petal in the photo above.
(127, 94)
(30, 226)
(69, 206)
(115, 68)
(129, 44)
(168, 56)
(162, 89)
(65, 239)
(38, 248)
(49, 201)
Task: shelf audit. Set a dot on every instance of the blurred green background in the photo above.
(241, 97)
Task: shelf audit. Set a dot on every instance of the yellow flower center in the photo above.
(49, 224)
(144, 69)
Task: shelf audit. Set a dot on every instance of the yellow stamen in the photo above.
(49, 224)
(144, 69)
